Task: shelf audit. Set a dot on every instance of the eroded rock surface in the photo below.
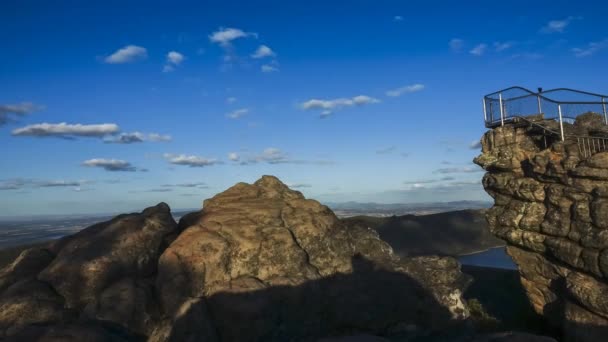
(258, 263)
(551, 206)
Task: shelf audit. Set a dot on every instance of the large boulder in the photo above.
(261, 262)
(104, 272)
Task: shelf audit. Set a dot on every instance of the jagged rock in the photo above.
(258, 263)
(104, 272)
(551, 208)
(264, 254)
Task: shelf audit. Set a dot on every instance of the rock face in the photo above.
(258, 263)
(551, 206)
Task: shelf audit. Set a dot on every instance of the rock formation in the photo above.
(258, 263)
(551, 206)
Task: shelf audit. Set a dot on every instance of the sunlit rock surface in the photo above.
(258, 263)
(551, 206)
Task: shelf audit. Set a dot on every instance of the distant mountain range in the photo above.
(451, 233)
(346, 209)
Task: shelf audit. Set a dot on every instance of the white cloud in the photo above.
(174, 59)
(231, 100)
(327, 107)
(225, 36)
(558, 26)
(67, 130)
(268, 68)
(263, 51)
(17, 184)
(127, 54)
(9, 111)
(456, 44)
(199, 185)
(479, 50)
(590, 49)
(397, 18)
(502, 46)
(298, 185)
(190, 160)
(273, 155)
(136, 137)
(465, 169)
(405, 90)
(475, 145)
(233, 156)
(110, 164)
(237, 114)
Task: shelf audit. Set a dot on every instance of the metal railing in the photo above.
(561, 104)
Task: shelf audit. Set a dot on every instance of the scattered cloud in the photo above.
(237, 114)
(405, 90)
(65, 130)
(268, 68)
(127, 54)
(429, 181)
(466, 169)
(558, 26)
(263, 51)
(590, 49)
(231, 100)
(475, 145)
(111, 164)
(502, 46)
(397, 18)
(298, 185)
(136, 137)
(190, 160)
(456, 44)
(174, 59)
(328, 106)
(199, 185)
(18, 184)
(479, 50)
(9, 112)
(233, 156)
(224, 36)
(386, 150)
(273, 155)
(527, 55)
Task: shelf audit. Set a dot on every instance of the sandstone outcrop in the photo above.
(551, 206)
(258, 263)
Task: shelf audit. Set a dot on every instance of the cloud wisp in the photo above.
(465, 169)
(225, 36)
(136, 137)
(190, 160)
(405, 90)
(10, 112)
(456, 44)
(127, 54)
(262, 52)
(558, 26)
(590, 49)
(327, 107)
(237, 114)
(174, 59)
(19, 184)
(113, 165)
(479, 50)
(272, 155)
(65, 130)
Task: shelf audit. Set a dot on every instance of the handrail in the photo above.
(565, 109)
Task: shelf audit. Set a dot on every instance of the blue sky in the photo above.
(107, 107)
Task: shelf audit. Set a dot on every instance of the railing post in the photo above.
(540, 111)
(604, 107)
(485, 113)
(502, 115)
(561, 123)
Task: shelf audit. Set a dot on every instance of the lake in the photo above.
(494, 257)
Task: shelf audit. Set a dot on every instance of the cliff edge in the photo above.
(551, 206)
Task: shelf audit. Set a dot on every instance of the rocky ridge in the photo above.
(258, 262)
(551, 206)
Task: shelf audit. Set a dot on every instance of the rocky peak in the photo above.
(258, 262)
(551, 208)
